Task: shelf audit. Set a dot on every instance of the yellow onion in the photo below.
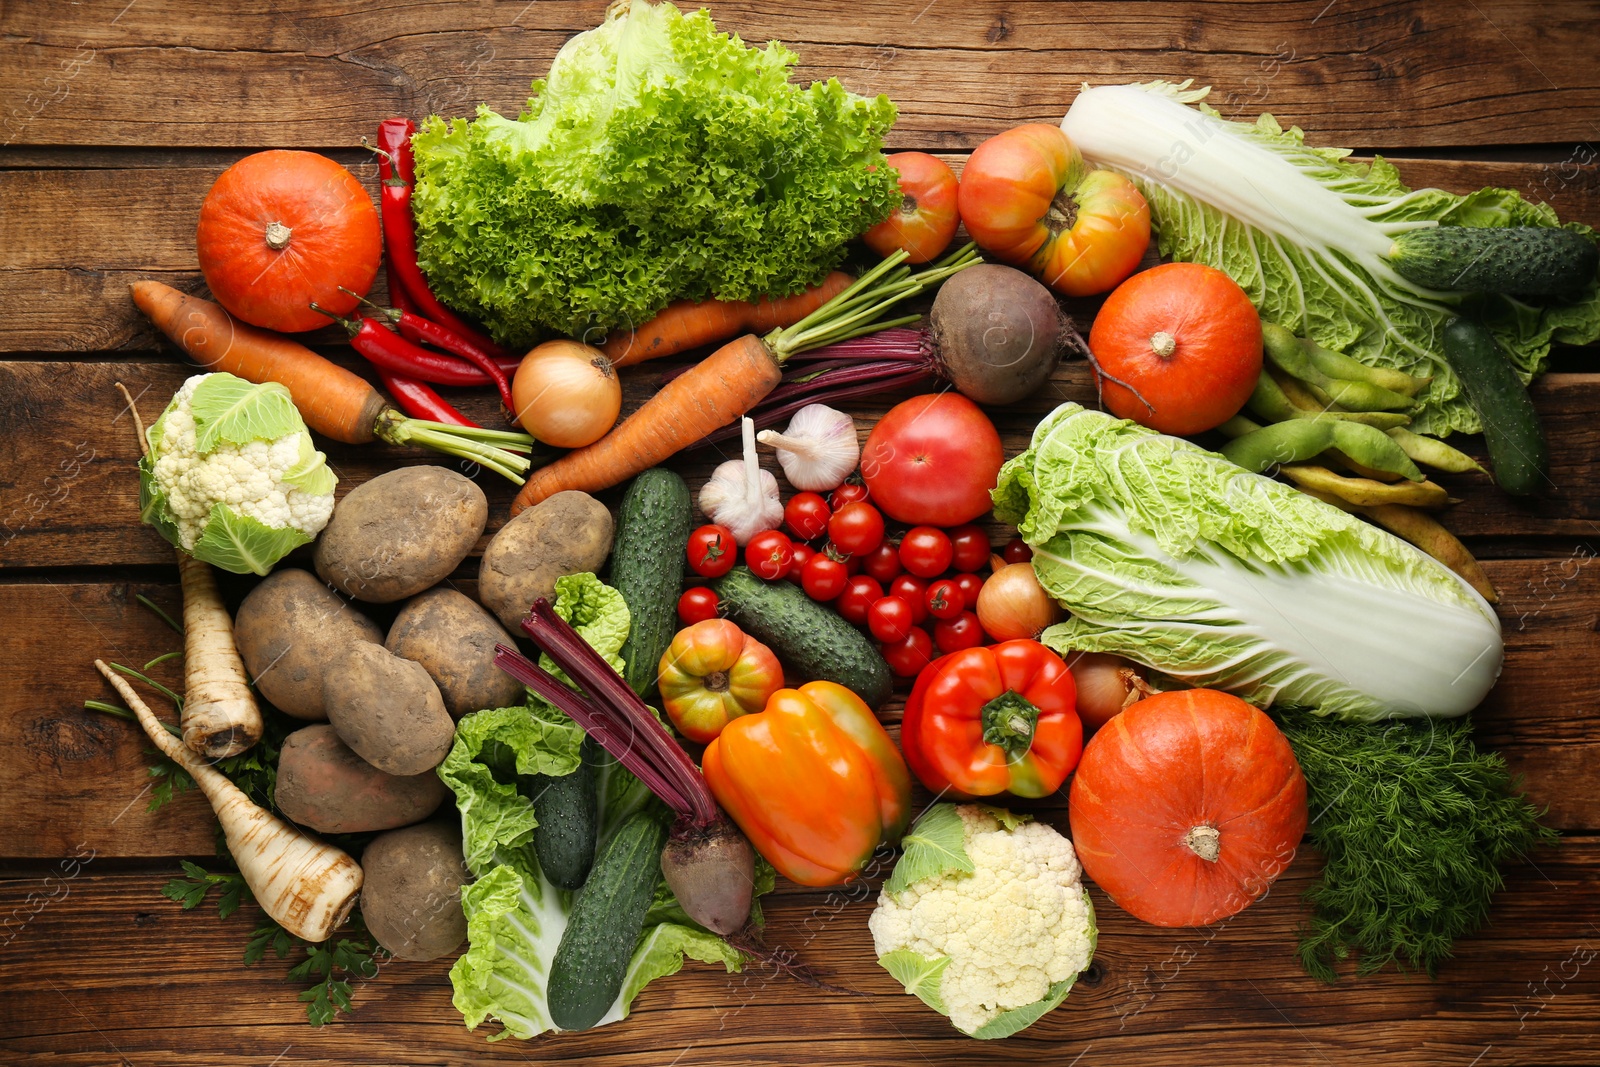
(1106, 685)
(567, 394)
(1013, 605)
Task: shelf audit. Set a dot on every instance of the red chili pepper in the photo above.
(414, 327)
(388, 351)
(420, 402)
(397, 170)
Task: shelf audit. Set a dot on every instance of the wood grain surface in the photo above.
(115, 118)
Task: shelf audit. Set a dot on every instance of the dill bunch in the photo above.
(1414, 823)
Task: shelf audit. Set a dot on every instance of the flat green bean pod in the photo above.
(1339, 365)
(1300, 439)
(1364, 491)
(1293, 356)
(1273, 403)
(1434, 452)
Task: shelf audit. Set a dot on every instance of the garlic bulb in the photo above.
(742, 496)
(818, 450)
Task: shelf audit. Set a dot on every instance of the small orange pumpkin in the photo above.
(281, 229)
(1186, 806)
(1177, 348)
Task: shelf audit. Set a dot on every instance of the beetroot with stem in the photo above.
(708, 864)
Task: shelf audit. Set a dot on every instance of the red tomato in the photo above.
(969, 547)
(945, 600)
(856, 528)
(770, 554)
(823, 578)
(970, 585)
(848, 493)
(1027, 197)
(914, 591)
(926, 219)
(963, 631)
(883, 562)
(806, 515)
(852, 564)
(907, 658)
(800, 554)
(890, 620)
(925, 551)
(932, 460)
(860, 593)
(712, 551)
(1017, 551)
(697, 605)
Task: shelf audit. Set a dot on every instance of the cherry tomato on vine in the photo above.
(848, 493)
(770, 554)
(712, 551)
(907, 658)
(970, 585)
(969, 547)
(945, 599)
(914, 591)
(800, 554)
(890, 620)
(697, 605)
(925, 551)
(823, 577)
(883, 562)
(860, 593)
(857, 528)
(1016, 551)
(963, 631)
(806, 515)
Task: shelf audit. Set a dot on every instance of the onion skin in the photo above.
(567, 394)
(1013, 605)
(1106, 685)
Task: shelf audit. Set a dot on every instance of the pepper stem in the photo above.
(1008, 721)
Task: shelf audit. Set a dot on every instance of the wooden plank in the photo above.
(162, 73)
(100, 965)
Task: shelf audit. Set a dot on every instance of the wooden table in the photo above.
(117, 116)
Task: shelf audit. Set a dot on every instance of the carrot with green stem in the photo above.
(732, 380)
(306, 885)
(334, 402)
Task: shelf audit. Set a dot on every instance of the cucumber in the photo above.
(812, 641)
(603, 930)
(568, 811)
(1511, 427)
(647, 564)
(1523, 260)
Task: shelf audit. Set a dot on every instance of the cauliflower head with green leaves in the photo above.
(232, 477)
(985, 918)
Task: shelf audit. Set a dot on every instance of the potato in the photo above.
(566, 534)
(387, 709)
(411, 890)
(401, 533)
(287, 630)
(322, 784)
(453, 638)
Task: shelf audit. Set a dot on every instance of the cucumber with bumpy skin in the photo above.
(1511, 429)
(568, 811)
(1521, 260)
(647, 564)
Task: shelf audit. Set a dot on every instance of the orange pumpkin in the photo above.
(281, 229)
(1177, 348)
(1186, 806)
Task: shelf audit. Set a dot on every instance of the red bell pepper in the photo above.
(813, 781)
(997, 719)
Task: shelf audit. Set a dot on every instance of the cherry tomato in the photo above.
(926, 219)
(1016, 551)
(824, 578)
(800, 554)
(907, 658)
(890, 620)
(851, 563)
(925, 551)
(963, 631)
(712, 551)
(848, 493)
(860, 593)
(806, 515)
(945, 599)
(969, 547)
(770, 554)
(857, 528)
(697, 605)
(914, 591)
(970, 585)
(883, 562)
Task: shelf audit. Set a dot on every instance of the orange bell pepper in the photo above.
(813, 781)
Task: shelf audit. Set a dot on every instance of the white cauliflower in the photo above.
(232, 477)
(985, 914)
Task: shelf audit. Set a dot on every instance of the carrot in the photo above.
(219, 716)
(732, 380)
(308, 886)
(685, 324)
(335, 402)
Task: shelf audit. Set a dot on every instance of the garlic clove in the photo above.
(819, 448)
(742, 496)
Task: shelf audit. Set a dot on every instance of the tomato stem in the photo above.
(1063, 213)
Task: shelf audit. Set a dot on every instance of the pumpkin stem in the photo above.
(1008, 721)
(1204, 841)
(277, 236)
(716, 681)
(1163, 344)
